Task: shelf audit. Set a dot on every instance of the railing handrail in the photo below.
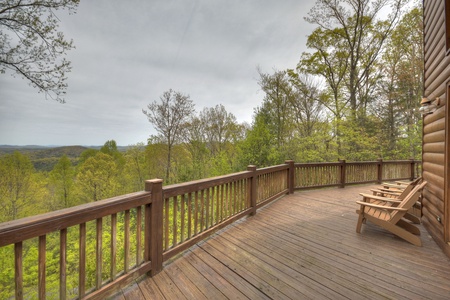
(195, 185)
(407, 161)
(22, 229)
(272, 169)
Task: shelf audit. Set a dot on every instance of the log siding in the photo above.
(436, 138)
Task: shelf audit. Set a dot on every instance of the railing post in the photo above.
(379, 170)
(291, 172)
(413, 167)
(253, 189)
(154, 240)
(342, 175)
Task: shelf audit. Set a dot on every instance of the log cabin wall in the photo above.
(436, 133)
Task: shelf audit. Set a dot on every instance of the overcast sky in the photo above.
(129, 52)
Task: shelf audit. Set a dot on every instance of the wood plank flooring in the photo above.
(303, 246)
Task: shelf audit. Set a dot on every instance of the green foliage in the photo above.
(62, 183)
(256, 148)
(86, 154)
(20, 187)
(401, 88)
(136, 167)
(97, 178)
(7, 274)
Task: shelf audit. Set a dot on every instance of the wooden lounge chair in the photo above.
(396, 188)
(390, 217)
(381, 196)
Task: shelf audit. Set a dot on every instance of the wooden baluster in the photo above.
(225, 200)
(189, 215)
(41, 266)
(236, 196)
(229, 199)
(166, 224)
(233, 197)
(98, 254)
(248, 193)
(62, 263)
(196, 213)
(213, 205)
(217, 189)
(274, 183)
(211, 200)
(113, 270)
(278, 182)
(147, 231)
(175, 219)
(207, 199)
(18, 270)
(183, 212)
(342, 173)
(138, 235)
(82, 261)
(126, 258)
(202, 210)
(221, 201)
(266, 186)
(239, 196)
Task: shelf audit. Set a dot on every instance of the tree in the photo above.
(277, 107)
(62, 178)
(110, 148)
(169, 117)
(257, 147)
(218, 125)
(305, 102)
(97, 178)
(400, 89)
(358, 37)
(136, 166)
(195, 141)
(31, 45)
(87, 154)
(330, 62)
(17, 187)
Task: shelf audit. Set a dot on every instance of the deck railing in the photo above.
(342, 173)
(122, 238)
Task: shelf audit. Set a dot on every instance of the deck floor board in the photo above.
(303, 246)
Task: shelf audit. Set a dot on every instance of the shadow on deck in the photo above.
(302, 246)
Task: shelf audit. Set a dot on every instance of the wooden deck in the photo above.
(302, 246)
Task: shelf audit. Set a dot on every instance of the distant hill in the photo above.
(45, 158)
